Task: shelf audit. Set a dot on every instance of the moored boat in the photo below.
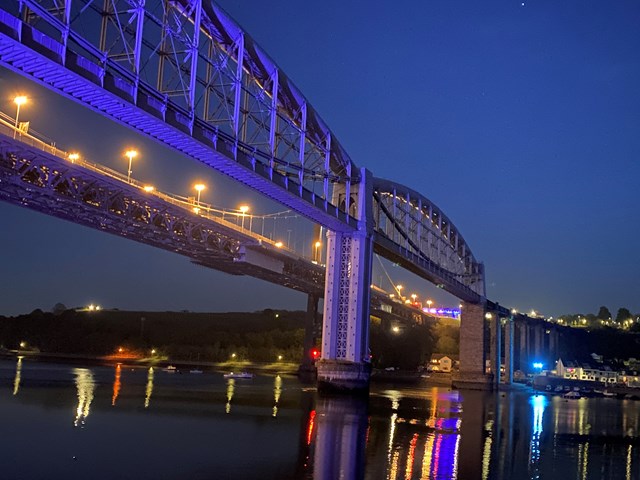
(238, 375)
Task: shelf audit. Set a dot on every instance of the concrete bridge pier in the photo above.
(509, 328)
(524, 346)
(472, 349)
(496, 347)
(307, 369)
(538, 336)
(553, 347)
(345, 360)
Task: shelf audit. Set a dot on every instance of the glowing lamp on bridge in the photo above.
(19, 100)
(149, 188)
(243, 210)
(199, 188)
(130, 154)
(73, 157)
(278, 244)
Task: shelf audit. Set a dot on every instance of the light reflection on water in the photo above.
(231, 387)
(422, 433)
(116, 385)
(149, 388)
(86, 386)
(277, 391)
(16, 380)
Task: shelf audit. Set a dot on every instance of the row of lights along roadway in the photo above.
(130, 154)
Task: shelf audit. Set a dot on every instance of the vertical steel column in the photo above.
(327, 169)
(238, 85)
(303, 133)
(67, 24)
(420, 218)
(273, 121)
(195, 45)
(508, 350)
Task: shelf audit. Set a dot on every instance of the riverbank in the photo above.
(160, 362)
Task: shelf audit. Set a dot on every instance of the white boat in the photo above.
(238, 375)
(170, 369)
(573, 395)
(608, 394)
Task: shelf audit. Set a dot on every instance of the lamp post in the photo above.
(199, 187)
(244, 209)
(73, 157)
(19, 100)
(429, 302)
(317, 245)
(131, 154)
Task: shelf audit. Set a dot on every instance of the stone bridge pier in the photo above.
(472, 373)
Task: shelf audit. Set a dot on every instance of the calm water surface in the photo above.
(92, 422)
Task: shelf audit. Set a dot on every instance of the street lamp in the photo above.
(317, 245)
(199, 187)
(73, 157)
(429, 302)
(244, 209)
(19, 100)
(413, 297)
(131, 154)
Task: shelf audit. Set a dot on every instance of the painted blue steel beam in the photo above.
(42, 43)
(119, 95)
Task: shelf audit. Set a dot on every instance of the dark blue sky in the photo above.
(522, 122)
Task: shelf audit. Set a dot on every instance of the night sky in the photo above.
(521, 121)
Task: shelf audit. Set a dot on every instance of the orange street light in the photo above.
(199, 187)
(243, 209)
(131, 154)
(19, 100)
(73, 157)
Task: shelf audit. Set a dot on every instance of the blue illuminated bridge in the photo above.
(185, 74)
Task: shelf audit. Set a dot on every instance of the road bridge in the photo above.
(185, 74)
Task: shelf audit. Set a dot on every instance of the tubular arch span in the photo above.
(412, 231)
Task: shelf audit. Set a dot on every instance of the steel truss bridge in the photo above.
(185, 74)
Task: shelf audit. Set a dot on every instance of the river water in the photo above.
(106, 422)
